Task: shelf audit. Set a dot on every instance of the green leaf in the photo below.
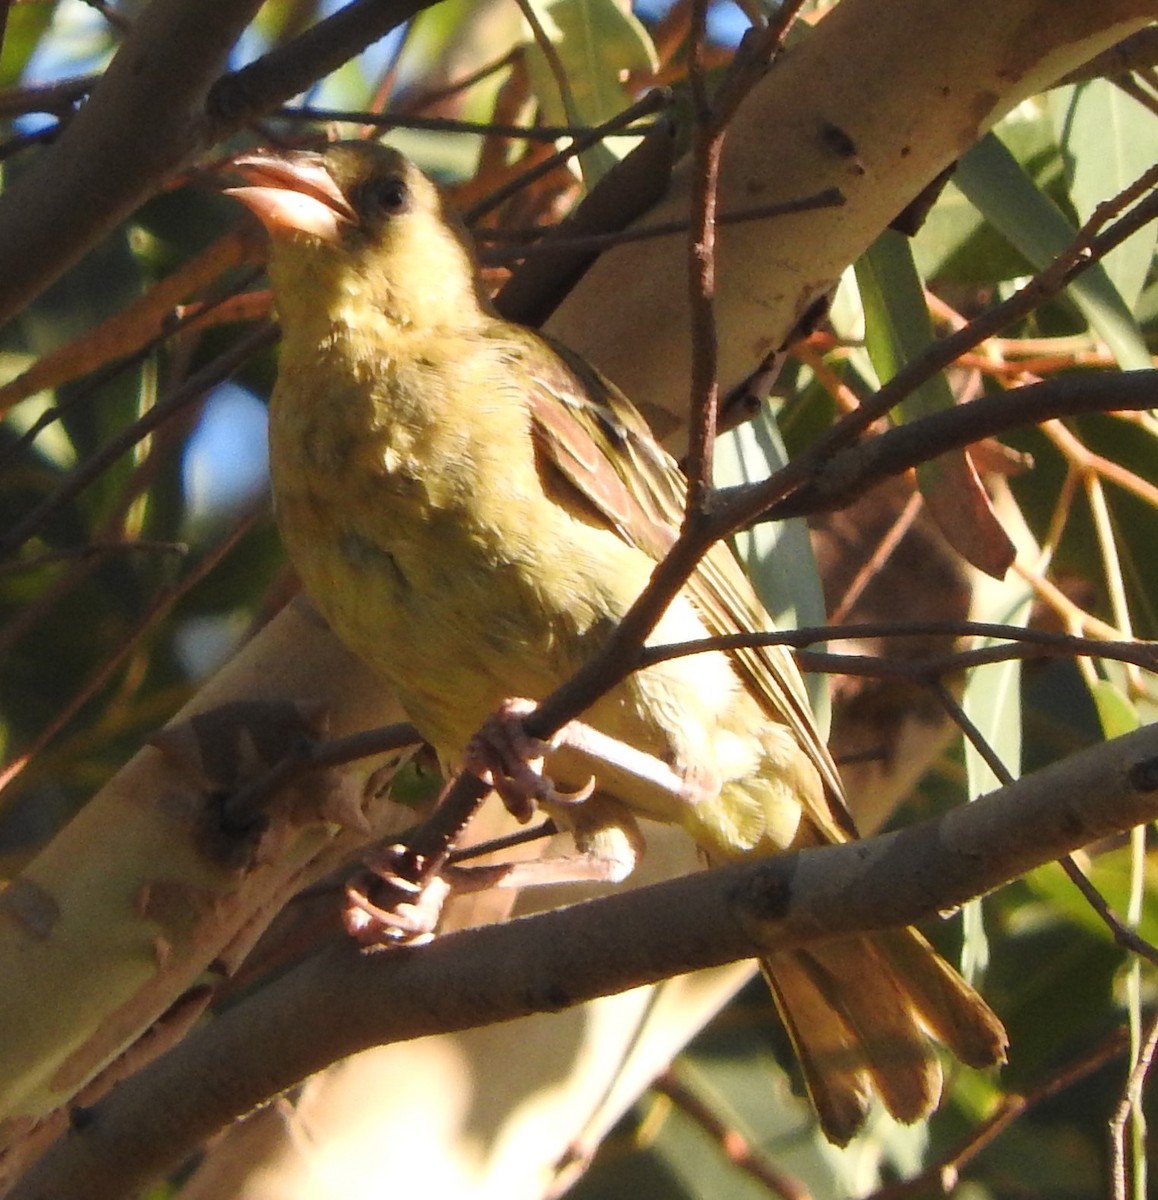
(1112, 874)
(998, 185)
(1115, 712)
(992, 702)
(777, 555)
(897, 326)
(897, 331)
(1108, 139)
(597, 42)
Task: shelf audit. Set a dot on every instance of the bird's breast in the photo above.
(430, 545)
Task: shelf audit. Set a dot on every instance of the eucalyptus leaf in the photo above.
(1107, 139)
(597, 43)
(992, 702)
(999, 186)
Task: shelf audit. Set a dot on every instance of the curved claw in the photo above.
(551, 795)
(401, 913)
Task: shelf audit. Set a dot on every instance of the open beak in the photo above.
(292, 192)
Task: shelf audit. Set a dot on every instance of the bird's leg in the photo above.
(505, 756)
(398, 898)
(386, 908)
(509, 760)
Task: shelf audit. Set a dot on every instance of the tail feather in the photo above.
(835, 1069)
(862, 1014)
(950, 1009)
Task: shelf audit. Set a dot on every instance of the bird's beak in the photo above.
(292, 192)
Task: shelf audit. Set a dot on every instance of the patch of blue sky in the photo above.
(652, 10)
(78, 42)
(726, 21)
(377, 56)
(226, 461)
(251, 45)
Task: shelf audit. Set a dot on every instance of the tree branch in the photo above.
(340, 1001)
(851, 472)
(159, 103)
(139, 124)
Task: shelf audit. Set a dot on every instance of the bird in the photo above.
(473, 508)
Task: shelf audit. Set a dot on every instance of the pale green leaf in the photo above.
(777, 555)
(1107, 139)
(597, 43)
(992, 702)
(998, 185)
(1115, 712)
(897, 326)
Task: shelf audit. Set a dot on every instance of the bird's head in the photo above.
(358, 224)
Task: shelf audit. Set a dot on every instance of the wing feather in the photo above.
(597, 440)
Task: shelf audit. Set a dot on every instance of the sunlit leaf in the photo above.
(598, 42)
(1108, 139)
(898, 330)
(992, 702)
(998, 185)
(1116, 713)
(778, 555)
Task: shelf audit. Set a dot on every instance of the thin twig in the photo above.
(161, 604)
(1125, 937)
(93, 550)
(653, 102)
(307, 757)
(814, 482)
(290, 69)
(735, 1146)
(535, 242)
(85, 473)
(411, 105)
(807, 635)
(1087, 247)
(1133, 1088)
(882, 552)
(707, 143)
(391, 120)
(957, 662)
(520, 837)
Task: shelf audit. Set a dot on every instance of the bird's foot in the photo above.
(393, 902)
(386, 907)
(505, 756)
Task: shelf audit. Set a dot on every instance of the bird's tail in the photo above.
(864, 1014)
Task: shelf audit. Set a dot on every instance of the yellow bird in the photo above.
(472, 507)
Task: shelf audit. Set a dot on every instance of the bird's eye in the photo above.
(388, 196)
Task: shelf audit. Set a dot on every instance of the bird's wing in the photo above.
(596, 439)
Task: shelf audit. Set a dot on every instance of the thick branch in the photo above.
(159, 103)
(283, 73)
(138, 126)
(340, 1001)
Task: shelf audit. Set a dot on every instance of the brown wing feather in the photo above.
(591, 433)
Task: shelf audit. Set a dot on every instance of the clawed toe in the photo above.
(506, 757)
(385, 908)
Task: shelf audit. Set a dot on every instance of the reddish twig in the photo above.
(735, 1146)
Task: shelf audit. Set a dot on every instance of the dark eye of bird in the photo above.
(386, 196)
